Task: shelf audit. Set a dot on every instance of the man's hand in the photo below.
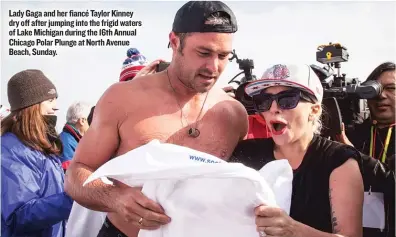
(149, 69)
(137, 209)
(343, 137)
(273, 221)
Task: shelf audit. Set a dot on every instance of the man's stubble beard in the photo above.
(184, 79)
(181, 76)
(189, 80)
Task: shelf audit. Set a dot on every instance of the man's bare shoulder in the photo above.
(224, 99)
(233, 111)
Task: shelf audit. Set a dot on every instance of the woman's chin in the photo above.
(281, 139)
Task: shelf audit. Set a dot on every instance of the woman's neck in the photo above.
(294, 152)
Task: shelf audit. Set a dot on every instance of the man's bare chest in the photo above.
(217, 136)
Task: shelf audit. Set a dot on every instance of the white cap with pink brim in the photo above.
(300, 76)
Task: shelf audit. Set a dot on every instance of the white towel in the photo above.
(204, 195)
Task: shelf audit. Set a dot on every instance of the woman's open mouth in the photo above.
(278, 127)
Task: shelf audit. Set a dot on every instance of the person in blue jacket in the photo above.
(33, 201)
(76, 126)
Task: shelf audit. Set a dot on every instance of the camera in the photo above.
(246, 65)
(344, 99)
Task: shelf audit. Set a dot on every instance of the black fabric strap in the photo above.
(109, 230)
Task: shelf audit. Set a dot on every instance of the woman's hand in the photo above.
(273, 221)
(149, 69)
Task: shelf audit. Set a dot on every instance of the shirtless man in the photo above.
(176, 106)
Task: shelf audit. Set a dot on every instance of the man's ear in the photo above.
(173, 40)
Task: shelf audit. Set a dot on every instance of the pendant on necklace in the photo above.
(193, 132)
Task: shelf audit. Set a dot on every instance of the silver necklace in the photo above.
(192, 132)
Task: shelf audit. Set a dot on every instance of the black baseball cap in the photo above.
(191, 17)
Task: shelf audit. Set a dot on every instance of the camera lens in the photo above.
(372, 89)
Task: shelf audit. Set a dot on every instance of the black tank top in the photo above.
(310, 195)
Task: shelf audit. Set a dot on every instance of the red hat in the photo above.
(132, 65)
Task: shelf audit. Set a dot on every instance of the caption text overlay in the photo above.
(42, 33)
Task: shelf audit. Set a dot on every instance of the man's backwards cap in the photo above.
(191, 17)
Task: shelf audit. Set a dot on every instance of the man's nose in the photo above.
(213, 64)
(382, 95)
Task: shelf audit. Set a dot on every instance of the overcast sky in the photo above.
(269, 33)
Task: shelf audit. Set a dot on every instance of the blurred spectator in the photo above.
(33, 201)
(75, 127)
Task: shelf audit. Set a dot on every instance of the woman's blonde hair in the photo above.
(317, 123)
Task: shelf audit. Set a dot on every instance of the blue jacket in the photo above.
(70, 138)
(33, 201)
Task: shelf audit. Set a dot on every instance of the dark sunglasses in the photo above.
(286, 100)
